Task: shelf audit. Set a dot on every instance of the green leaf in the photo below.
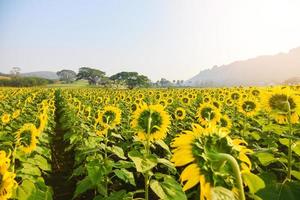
(142, 164)
(296, 174)
(25, 190)
(265, 158)
(254, 182)
(30, 170)
(123, 164)
(172, 189)
(95, 173)
(29, 190)
(281, 191)
(118, 151)
(223, 193)
(125, 175)
(157, 189)
(82, 186)
(296, 147)
(41, 162)
(163, 145)
(167, 163)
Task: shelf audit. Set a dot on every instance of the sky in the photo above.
(174, 39)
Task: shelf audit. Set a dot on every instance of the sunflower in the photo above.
(225, 122)
(16, 113)
(280, 103)
(5, 118)
(180, 113)
(208, 114)
(7, 182)
(26, 137)
(185, 100)
(109, 117)
(249, 107)
(151, 122)
(43, 118)
(235, 96)
(192, 149)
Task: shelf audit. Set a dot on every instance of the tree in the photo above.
(66, 75)
(131, 79)
(90, 74)
(164, 82)
(15, 71)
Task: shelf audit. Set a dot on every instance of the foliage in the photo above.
(90, 74)
(24, 82)
(131, 79)
(68, 76)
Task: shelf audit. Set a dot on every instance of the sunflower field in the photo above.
(171, 144)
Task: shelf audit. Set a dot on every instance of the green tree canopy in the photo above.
(66, 75)
(90, 74)
(131, 79)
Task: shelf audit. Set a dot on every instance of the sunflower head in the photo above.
(151, 122)
(5, 118)
(180, 113)
(208, 114)
(109, 117)
(249, 107)
(193, 149)
(16, 113)
(280, 102)
(7, 184)
(26, 137)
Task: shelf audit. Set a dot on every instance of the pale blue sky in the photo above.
(174, 39)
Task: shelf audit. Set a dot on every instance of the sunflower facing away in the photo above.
(27, 137)
(192, 149)
(249, 107)
(7, 182)
(280, 102)
(208, 115)
(108, 118)
(151, 122)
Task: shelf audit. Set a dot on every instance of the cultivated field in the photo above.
(90, 143)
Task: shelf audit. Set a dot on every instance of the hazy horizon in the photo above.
(170, 39)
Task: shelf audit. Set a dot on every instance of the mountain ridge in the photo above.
(261, 70)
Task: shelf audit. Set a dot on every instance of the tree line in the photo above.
(98, 77)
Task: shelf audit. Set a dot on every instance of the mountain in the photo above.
(262, 70)
(41, 74)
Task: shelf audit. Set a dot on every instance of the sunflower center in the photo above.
(185, 100)
(235, 96)
(109, 117)
(255, 92)
(282, 102)
(248, 106)
(179, 113)
(207, 113)
(133, 107)
(156, 121)
(223, 122)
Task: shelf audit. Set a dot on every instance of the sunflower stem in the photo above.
(236, 170)
(147, 146)
(289, 174)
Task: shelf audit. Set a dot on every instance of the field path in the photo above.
(62, 164)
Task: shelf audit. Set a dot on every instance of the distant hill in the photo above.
(41, 74)
(262, 70)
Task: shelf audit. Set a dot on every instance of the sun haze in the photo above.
(172, 39)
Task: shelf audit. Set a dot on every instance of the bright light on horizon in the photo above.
(174, 39)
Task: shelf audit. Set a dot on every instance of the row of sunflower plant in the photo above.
(27, 121)
(233, 143)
